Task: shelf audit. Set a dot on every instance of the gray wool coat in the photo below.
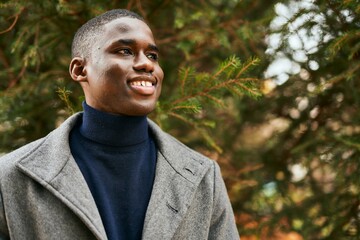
(43, 194)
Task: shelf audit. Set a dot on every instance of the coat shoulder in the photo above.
(9, 160)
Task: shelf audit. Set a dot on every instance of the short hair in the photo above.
(84, 36)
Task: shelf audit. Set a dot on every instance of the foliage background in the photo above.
(289, 152)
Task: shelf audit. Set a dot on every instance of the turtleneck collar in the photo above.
(111, 129)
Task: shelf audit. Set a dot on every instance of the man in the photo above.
(109, 172)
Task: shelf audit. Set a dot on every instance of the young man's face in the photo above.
(123, 72)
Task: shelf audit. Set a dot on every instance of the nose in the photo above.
(143, 63)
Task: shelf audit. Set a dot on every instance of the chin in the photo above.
(140, 110)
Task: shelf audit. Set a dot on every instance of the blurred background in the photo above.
(268, 89)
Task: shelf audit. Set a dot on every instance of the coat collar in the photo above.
(179, 171)
(52, 165)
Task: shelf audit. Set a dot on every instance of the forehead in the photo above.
(126, 27)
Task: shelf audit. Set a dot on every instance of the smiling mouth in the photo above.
(143, 85)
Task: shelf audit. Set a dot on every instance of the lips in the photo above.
(143, 85)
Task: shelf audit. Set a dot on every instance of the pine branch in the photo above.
(207, 85)
(210, 87)
(218, 101)
(231, 62)
(218, 86)
(342, 40)
(202, 131)
(64, 96)
(183, 79)
(338, 78)
(182, 118)
(248, 90)
(16, 18)
(251, 63)
(193, 108)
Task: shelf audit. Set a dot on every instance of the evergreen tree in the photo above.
(287, 142)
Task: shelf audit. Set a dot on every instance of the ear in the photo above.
(77, 69)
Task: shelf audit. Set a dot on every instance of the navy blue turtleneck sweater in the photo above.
(117, 156)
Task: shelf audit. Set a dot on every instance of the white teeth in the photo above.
(142, 83)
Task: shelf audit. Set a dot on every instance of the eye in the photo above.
(153, 56)
(124, 52)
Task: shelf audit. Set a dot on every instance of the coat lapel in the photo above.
(52, 165)
(179, 171)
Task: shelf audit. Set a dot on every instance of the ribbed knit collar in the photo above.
(111, 129)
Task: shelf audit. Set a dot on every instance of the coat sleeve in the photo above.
(222, 222)
(3, 225)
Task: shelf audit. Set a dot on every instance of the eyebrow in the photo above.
(153, 47)
(126, 41)
(130, 42)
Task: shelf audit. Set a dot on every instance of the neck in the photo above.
(111, 129)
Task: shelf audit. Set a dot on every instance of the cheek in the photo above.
(159, 86)
(160, 74)
(115, 71)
